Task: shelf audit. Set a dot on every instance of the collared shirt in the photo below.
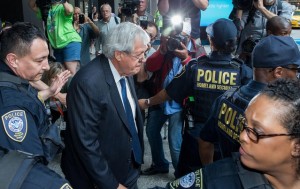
(105, 27)
(117, 79)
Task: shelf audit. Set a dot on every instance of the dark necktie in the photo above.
(136, 146)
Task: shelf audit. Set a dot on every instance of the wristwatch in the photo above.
(147, 101)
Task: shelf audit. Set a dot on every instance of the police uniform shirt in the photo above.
(21, 118)
(222, 126)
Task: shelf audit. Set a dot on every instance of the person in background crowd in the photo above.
(278, 25)
(165, 63)
(65, 41)
(91, 14)
(102, 105)
(252, 22)
(158, 20)
(58, 110)
(87, 31)
(24, 58)
(142, 77)
(142, 10)
(281, 59)
(194, 82)
(105, 25)
(189, 10)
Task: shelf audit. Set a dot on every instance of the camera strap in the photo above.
(116, 20)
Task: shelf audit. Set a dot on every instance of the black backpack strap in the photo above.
(116, 20)
(250, 179)
(279, 7)
(15, 166)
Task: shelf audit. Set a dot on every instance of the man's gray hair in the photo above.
(123, 37)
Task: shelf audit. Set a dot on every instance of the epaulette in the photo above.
(202, 59)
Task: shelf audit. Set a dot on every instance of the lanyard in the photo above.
(61, 112)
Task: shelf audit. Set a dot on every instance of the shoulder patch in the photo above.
(192, 180)
(188, 180)
(15, 125)
(66, 186)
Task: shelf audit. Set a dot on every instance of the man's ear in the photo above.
(12, 60)
(118, 55)
(278, 72)
(296, 148)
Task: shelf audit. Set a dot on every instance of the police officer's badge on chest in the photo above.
(15, 124)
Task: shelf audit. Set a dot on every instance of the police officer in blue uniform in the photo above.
(269, 146)
(25, 125)
(205, 79)
(280, 59)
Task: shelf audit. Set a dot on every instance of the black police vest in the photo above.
(229, 112)
(227, 173)
(211, 80)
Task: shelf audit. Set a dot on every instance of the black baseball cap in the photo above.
(221, 31)
(273, 51)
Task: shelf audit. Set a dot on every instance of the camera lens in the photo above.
(173, 44)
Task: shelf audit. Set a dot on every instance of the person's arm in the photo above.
(206, 151)
(201, 4)
(45, 91)
(155, 61)
(287, 10)
(163, 7)
(32, 4)
(68, 8)
(159, 98)
(259, 5)
(95, 29)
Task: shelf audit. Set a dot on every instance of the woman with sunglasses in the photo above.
(269, 156)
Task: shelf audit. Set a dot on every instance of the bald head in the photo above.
(278, 25)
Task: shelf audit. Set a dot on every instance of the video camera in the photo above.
(249, 44)
(129, 7)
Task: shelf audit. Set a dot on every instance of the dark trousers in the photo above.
(189, 160)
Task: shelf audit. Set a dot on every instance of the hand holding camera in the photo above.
(181, 52)
(81, 19)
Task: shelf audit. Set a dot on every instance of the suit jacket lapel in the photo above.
(114, 93)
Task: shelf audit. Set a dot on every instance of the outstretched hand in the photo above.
(59, 81)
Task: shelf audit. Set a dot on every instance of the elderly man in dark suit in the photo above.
(104, 137)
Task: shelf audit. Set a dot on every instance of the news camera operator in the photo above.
(255, 14)
(165, 63)
(187, 9)
(135, 11)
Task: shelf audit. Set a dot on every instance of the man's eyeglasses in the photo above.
(140, 57)
(254, 136)
(291, 68)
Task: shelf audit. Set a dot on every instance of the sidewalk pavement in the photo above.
(144, 182)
